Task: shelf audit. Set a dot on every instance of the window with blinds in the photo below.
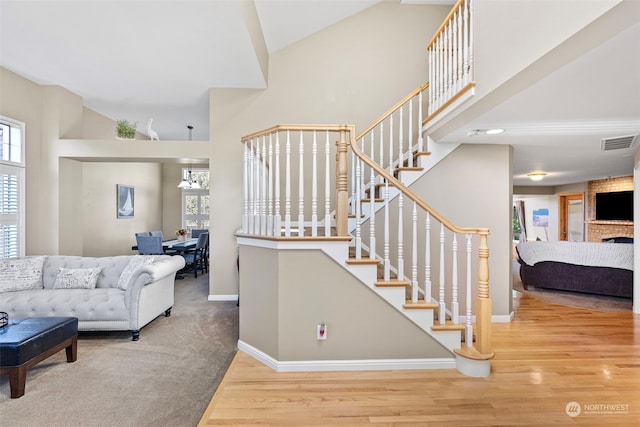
(11, 189)
(195, 202)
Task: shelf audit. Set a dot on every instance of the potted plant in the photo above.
(125, 129)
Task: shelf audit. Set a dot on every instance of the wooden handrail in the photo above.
(279, 128)
(450, 101)
(391, 110)
(445, 22)
(392, 180)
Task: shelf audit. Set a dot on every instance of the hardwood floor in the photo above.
(548, 357)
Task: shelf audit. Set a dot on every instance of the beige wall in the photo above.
(472, 188)
(21, 99)
(286, 294)
(104, 233)
(71, 183)
(349, 73)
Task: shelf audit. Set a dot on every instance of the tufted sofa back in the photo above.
(112, 267)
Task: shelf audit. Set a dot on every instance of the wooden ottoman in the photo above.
(26, 342)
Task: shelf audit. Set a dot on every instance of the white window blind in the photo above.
(12, 212)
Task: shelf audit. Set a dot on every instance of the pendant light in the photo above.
(189, 182)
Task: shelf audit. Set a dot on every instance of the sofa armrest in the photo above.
(159, 269)
(164, 267)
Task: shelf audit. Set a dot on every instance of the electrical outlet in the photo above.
(321, 333)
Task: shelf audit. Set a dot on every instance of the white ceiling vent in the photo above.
(618, 142)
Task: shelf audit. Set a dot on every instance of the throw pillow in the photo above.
(19, 274)
(77, 278)
(135, 263)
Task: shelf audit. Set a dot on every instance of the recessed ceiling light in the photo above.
(474, 132)
(537, 175)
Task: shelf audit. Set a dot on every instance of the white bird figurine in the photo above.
(152, 133)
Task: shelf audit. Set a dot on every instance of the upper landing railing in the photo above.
(450, 53)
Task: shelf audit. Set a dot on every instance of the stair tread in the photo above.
(421, 304)
(448, 326)
(392, 282)
(408, 168)
(367, 261)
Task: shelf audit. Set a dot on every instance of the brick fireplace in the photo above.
(598, 230)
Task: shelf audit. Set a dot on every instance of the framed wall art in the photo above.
(126, 200)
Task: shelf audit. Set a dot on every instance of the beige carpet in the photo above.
(572, 299)
(165, 379)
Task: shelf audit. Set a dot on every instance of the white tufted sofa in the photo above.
(147, 294)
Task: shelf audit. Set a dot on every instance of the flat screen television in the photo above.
(614, 206)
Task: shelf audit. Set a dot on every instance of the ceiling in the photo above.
(130, 63)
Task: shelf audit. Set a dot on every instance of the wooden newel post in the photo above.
(483, 302)
(342, 193)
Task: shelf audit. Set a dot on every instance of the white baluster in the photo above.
(381, 161)
(400, 238)
(387, 261)
(357, 200)
(372, 207)
(427, 259)
(440, 72)
(352, 206)
(441, 303)
(277, 220)
(270, 202)
(256, 187)
(454, 281)
(400, 138)
(432, 80)
(466, 46)
(287, 186)
(470, 72)
(301, 186)
(327, 185)
(420, 118)
(449, 51)
(314, 187)
(263, 192)
(410, 133)
(454, 52)
(391, 162)
(251, 185)
(245, 188)
(414, 254)
(460, 49)
(468, 338)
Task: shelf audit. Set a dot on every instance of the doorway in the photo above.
(571, 217)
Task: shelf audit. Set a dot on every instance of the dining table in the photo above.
(175, 245)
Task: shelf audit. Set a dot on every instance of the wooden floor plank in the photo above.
(548, 357)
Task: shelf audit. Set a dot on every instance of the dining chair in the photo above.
(157, 233)
(144, 233)
(196, 258)
(149, 245)
(198, 231)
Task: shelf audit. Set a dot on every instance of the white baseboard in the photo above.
(345, 365)
(222, 298)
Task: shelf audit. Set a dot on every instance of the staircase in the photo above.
(301, 188)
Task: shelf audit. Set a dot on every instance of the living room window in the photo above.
(12, 191)
(195, 202)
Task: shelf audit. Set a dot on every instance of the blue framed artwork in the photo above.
(126, 200)
(541, 217)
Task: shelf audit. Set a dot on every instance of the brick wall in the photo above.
(598, 230)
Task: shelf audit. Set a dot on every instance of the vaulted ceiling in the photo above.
(143, 59)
